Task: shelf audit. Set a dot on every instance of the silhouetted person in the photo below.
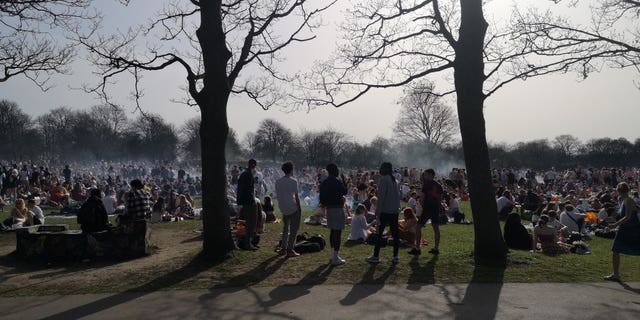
(93, 215)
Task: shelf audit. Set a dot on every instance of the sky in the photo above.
(606, 104)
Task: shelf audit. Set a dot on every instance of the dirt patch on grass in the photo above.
(171, 248)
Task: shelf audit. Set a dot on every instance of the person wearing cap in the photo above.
(245, 197)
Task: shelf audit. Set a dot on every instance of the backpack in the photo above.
(305, 244)
(319, 239)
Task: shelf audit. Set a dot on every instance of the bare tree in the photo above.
(424, 118)
(224, 38)
(26, 45)
(273, 140)
(567, 144)
(392, 43)
(14, 124)
(612, 37)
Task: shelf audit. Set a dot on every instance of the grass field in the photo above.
(265, 268)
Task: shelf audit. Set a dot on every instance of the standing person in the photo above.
(431, 207)
(137, 202)
(332, 192)
(387, 211)
(67, 174)
(627, 240)
(289, 203)
(246, 198)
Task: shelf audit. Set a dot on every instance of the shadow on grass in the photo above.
(194, 267)
(16, 266)
(481, 296)
(291, 292)
(421, 276)
(367, 285)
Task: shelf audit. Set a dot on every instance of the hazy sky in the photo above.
(606, 104)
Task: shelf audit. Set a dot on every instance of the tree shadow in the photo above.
(367, 286)
(194, 267)
(301, 288)
(421, 276)
(629, 288)
(247, 279)
(50, 271)
(482, 294)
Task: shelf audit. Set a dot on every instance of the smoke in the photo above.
(424, 156)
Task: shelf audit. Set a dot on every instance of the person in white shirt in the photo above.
(36, 216)
(289, 204)
(570, 218)
(505, 204)
(412, 202)
(110, 202)
(360, 229)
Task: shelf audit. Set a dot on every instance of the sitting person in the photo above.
(454, 209)
(77, 193)
(562, 232)
(93, 215)
(505, 205)
(184, 209)
(546, 237)
(360, 229)
(159, 212)
(407, 227)
(573, 219)
(137, 202)
(59, 195)
(515, 234)
(269, 210)
(18, 215)
(607, 214)
(36, 216)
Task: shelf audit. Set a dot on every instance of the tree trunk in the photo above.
(489, 247)
(214, 129)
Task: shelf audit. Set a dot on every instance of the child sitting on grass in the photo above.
(407, 227)
(360, 229)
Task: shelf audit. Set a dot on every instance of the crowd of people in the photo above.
(70, 187)
(367, 200)
(563, 206)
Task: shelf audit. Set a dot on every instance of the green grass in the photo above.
(453, 265)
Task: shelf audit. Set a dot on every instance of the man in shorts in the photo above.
(431, 207)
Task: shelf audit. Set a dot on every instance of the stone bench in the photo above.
(58, 243)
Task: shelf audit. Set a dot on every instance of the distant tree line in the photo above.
(107, 133)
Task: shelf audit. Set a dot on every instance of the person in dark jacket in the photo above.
(332, 192)
(93, 215)
(246, 198)
(515, 234)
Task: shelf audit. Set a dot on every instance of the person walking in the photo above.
(431, 208)
(289, 204)
(332, 192)
(627, 240)
(387, 211)
(246, 198)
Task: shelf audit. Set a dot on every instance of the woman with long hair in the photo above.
(387, 211)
